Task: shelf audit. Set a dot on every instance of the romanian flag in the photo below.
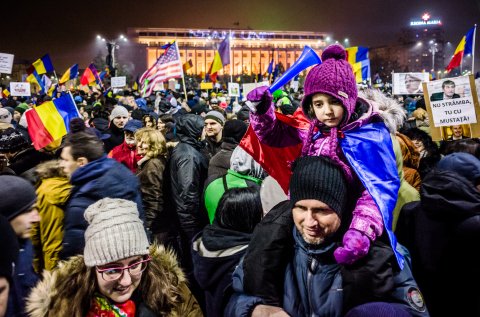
(90, 75)
(357, 57)
(41, 66)
(187, 65)
(34, 78)
(222, 56)
(69, 74)
(464, 47)
(5, 93)
(49, 122)
(52, 91)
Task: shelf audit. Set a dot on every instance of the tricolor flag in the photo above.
(187, 65)
(90, 75)
(69, 74)
(222, 56)
(464, 47)
(6, 93)
(357, 57)
(34, 78)
(167, 66)
(49, 122)
(41, 66)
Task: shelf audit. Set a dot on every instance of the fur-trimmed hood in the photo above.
(388, 108)
(68, 290)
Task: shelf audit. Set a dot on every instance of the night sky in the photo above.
(67, 30)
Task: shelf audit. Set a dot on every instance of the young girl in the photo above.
(349, 130)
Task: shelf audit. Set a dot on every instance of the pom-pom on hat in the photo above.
(333, 77)
(115, 232)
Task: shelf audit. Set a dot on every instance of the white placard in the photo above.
(249, 87)
(120, 81)
(409, 83)
(20, 89)
(177, 87)
(6, 63)
(451, 101)
(234, 89)
(294, 85)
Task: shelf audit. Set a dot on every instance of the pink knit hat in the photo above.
(333, 77)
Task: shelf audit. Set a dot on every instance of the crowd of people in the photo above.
(328, 201)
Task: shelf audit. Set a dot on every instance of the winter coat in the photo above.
(411, 160)
(212, 146)
(442, 232)
(315, 285)
(98, 179)
(24, 279)
(47, 235)
(116, 137)
(126, 155)
(151, 177)
(216, 252)
(69, 289)
(188, 171)
(220, 162)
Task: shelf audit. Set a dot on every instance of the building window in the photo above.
(190, 54)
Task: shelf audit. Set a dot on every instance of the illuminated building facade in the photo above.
(251, 51)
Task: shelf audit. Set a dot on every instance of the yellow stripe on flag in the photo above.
(52, 120)
(38, 64)
(352, 54)
(461, 45)
(217, 63)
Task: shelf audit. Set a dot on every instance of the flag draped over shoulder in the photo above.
(464, 47)
(69, 74)
(50, 121)
(167, 66)
(41, 66)
(357, 57)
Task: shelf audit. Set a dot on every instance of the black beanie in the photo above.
(10, 249)
(18, 196)
(234, 130)
(319, 178)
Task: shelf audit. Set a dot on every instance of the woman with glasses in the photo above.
(118, 275)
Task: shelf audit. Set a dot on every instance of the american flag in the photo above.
(167, 66)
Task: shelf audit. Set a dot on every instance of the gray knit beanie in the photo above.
(115, 232)
(118, 111)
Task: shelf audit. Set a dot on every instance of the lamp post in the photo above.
(433, 49)
(111, 47)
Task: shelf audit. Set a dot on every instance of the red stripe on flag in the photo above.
(37, 131)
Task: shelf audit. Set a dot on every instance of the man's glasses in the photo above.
(112, 274)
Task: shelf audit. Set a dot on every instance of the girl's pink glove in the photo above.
(259, 99)
(355, 246)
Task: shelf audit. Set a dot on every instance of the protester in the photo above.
(219, 247)
(52, 192)
(335, 112)
(214, 122)
(9, 256)
(442, 231)
(93, 176)
(318, 200)
(18, 206)
(118, 118)
(126, 153)
(119, 275)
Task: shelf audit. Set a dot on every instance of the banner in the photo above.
(6, 63)
(20, 89)
(117, 82)
(408, 83)
(453, 107)
(234, 89)
(206, 86)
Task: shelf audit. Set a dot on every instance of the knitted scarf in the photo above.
(102, 307)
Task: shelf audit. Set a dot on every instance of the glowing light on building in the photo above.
(426, 21)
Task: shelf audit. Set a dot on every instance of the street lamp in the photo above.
(111, 47)
(433, 49)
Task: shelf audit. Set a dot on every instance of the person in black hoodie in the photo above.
(218, 249)
(118, 118)
(442, 232)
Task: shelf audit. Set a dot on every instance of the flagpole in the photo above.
(473, 48)
(230, 54)
(183, 75)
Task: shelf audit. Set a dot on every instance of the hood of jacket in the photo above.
(388, 108)
(92, 170)
(189, 128)
(67, 290)
(448, 196)
(55, 190)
